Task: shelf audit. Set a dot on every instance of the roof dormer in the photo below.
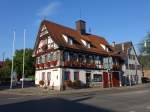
(68, 39)
(86, 44)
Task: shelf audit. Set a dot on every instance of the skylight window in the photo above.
(84, 42)
(103, 46)
(87, 44)
(65, 37)
(68, 40)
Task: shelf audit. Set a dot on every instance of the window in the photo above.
(50, 57)
(67, 75)
(66, 56)
(43, 75)
(97, 78)
(48, 76)
(81, 58)
(126, 66)
(91, 59)
(65, 37)
(103, 46)
(40, 60)
(75, 57)
(55, 56)
(70, 41)
(43, 59)
(37, 60)
(76, 75)
(86, 44)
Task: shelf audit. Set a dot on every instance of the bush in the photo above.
(77, 83)
(68, 83)
(41, 82)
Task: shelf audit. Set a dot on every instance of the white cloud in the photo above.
(49, 9)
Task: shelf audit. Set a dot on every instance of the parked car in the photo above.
(145, 80)
(26, 79)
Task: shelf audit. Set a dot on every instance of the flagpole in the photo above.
(12, 66)
(23, 58)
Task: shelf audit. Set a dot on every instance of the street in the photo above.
(114, 100)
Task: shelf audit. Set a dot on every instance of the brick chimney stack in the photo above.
(81, 26)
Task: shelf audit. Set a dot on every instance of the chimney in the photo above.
(113, 43)
(123, 47)
(81, 26)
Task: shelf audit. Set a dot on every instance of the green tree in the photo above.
(144, 49)
(29, 62)
(5, 71)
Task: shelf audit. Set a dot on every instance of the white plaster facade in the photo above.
(133, 75)
(57, 76)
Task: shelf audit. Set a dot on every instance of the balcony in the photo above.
(116, 67)
(80, 64)
(46, 65)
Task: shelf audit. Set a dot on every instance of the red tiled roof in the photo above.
(127, 45)
(56, 31)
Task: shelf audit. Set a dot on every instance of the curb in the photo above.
(70, 92)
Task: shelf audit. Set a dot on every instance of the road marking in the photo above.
(148, 107)
(132, 111)
(13, 98)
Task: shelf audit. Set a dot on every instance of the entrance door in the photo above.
(105, 80)
(88, 79)
(115, 79)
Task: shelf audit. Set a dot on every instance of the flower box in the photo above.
(36, 65)
(54, 63)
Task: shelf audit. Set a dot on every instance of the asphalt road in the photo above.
(137, 100)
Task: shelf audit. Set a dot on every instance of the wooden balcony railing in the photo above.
(81, 64)
(46, 65)
(116, 67)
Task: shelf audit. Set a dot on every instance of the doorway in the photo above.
(115, 79)
(105, 80)
(88, 79)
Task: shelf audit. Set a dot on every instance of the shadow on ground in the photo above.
(52, 105)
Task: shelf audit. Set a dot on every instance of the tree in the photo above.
(29, 62)
(144, 49)
(5, 70)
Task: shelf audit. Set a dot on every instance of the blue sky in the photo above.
(116, 20)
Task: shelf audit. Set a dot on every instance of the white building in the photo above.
(132, 70)
(65, 55)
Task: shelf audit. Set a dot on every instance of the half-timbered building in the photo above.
(63, 53)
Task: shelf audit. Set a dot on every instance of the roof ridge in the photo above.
(123, 42)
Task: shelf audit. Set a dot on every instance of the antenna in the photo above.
(90, 31)
(80, 13)
(3, 56)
